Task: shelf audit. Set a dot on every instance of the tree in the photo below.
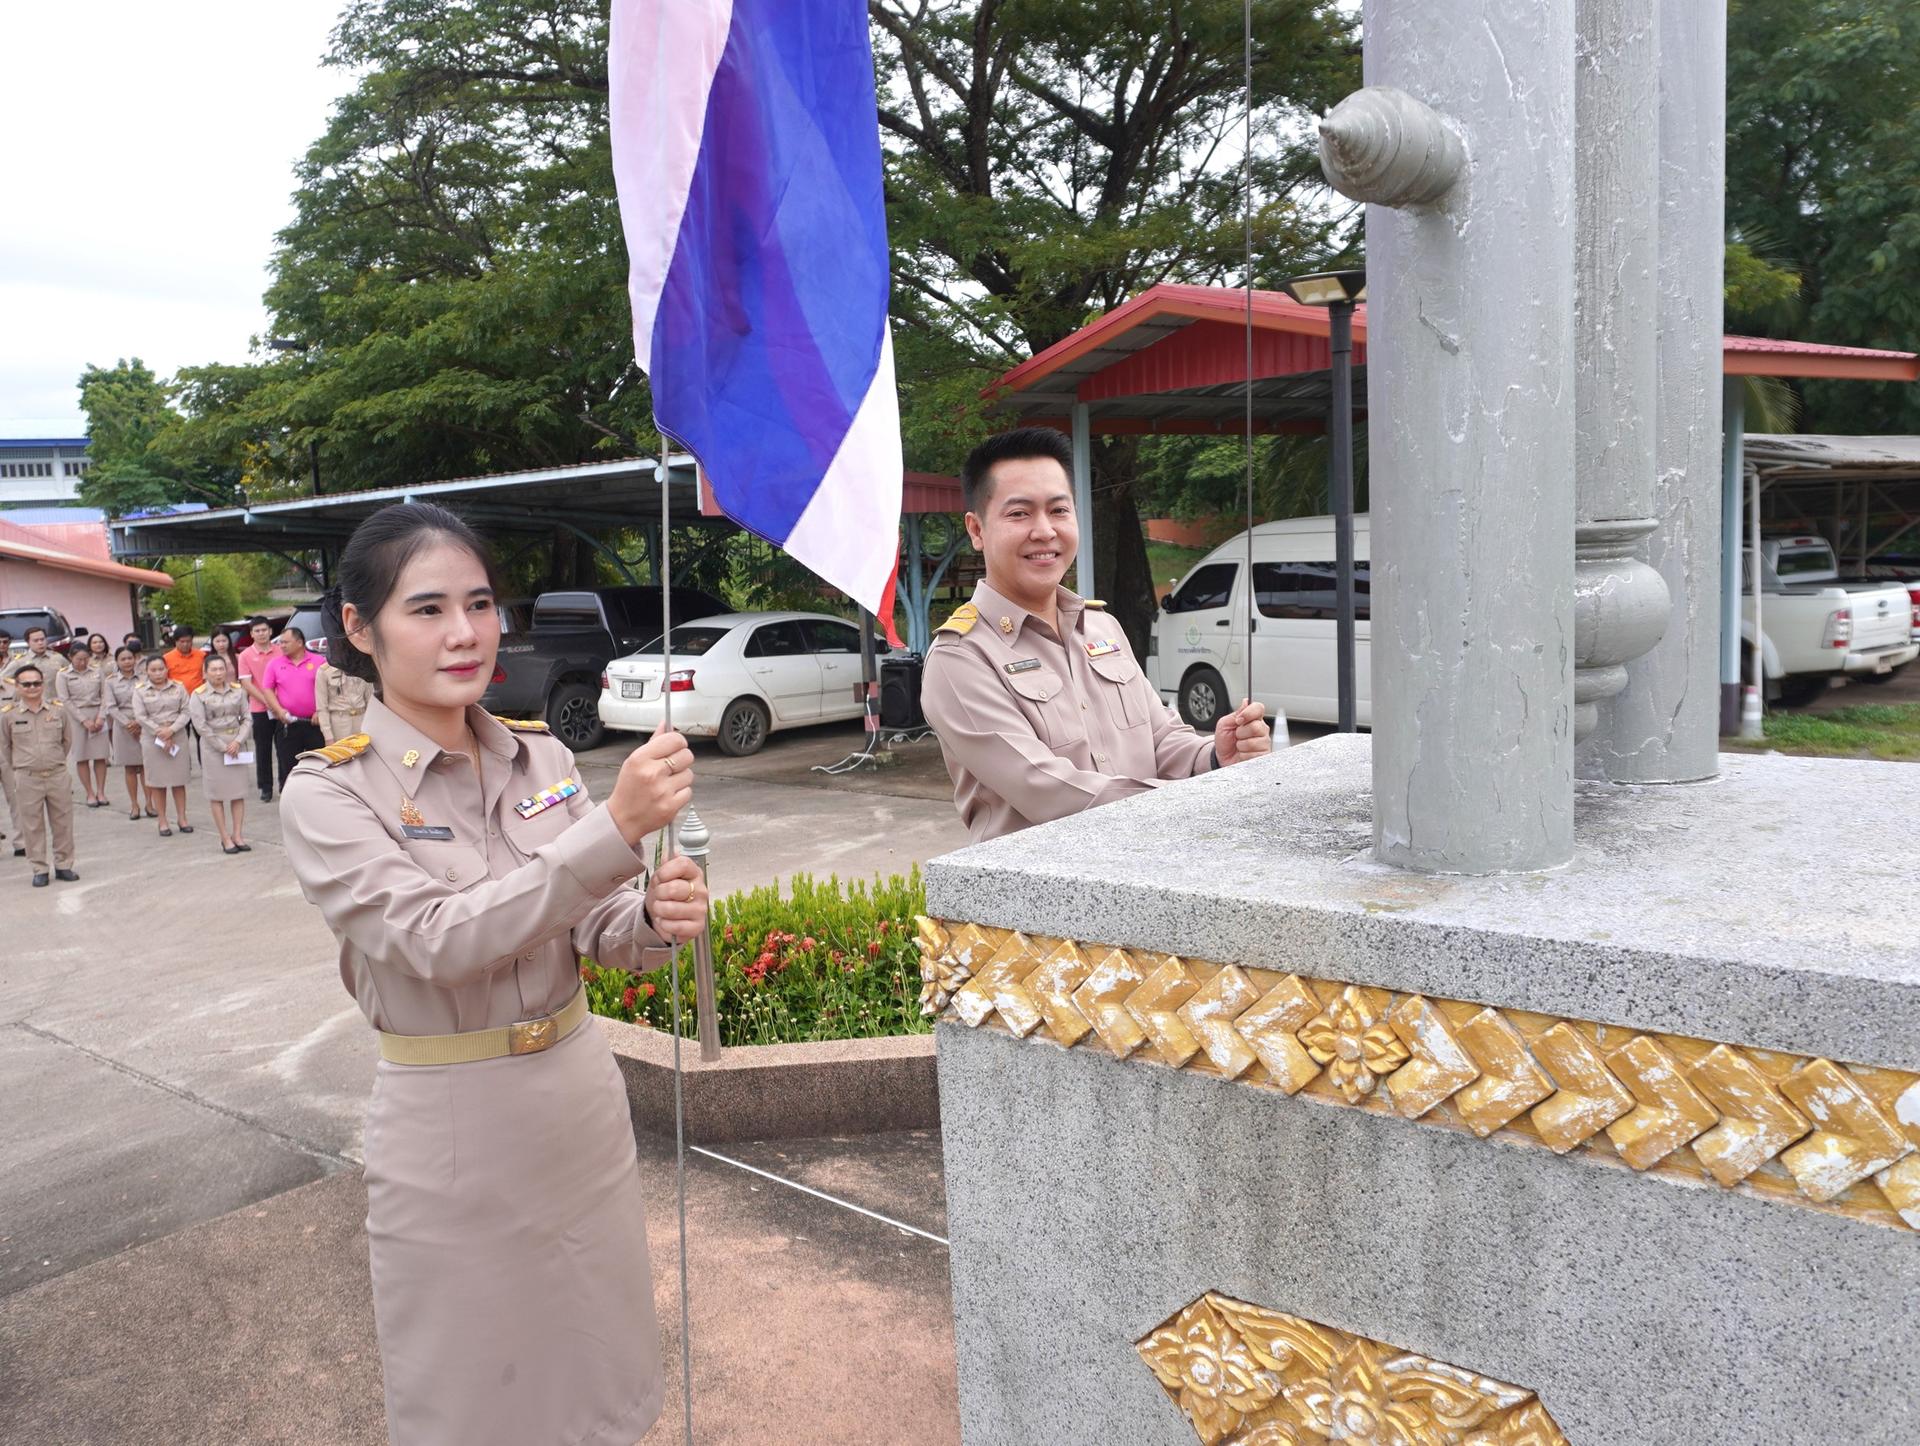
(207, 592)
(1823, 177)
(134, 443)
(1046, 160)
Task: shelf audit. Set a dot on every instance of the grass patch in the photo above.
(1168, 563)
(1872, 730)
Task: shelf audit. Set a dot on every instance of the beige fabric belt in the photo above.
(528, 1036)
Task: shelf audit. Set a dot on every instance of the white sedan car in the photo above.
(740, 676)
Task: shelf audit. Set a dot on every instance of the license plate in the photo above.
(632, 688)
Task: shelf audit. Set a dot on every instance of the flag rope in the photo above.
(672, 848)
(1246, 173)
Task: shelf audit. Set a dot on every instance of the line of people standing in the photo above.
(150, 715)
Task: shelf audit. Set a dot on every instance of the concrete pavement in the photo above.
(176, 1048)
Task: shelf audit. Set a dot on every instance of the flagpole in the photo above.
(673, 847)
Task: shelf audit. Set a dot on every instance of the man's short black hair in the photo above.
(36, 628)
(1015, 446)
(291, 631)
(180, 633)
(256, 621)
(33, 668)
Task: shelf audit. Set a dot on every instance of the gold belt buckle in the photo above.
(530, 1036)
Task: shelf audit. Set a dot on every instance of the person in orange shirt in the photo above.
(186, 664)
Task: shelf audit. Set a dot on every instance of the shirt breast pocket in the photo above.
(530, 834)
(1119, 688)
(457, 865)
(1053, 705)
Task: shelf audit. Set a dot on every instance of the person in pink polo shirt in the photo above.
(254, 658)
(289, 687)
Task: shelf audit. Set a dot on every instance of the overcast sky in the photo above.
(147, 162)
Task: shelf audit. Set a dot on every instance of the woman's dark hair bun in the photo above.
(375, 555)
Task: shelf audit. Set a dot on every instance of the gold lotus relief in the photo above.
(1248, 1376)
(1842, 1137)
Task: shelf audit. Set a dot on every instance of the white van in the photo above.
(1197, 656)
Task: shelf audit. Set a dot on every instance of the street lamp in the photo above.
(287, 343)
(1339, 292)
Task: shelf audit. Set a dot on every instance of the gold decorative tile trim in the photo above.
(1248, 1376)
(1784, 1127)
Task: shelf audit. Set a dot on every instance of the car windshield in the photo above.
(688, 642)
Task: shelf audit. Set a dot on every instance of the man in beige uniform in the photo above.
(1040, 707)
(35, 734)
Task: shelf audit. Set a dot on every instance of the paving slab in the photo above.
(98, 1159)
(810, 1323)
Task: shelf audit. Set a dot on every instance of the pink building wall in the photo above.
(97, 604)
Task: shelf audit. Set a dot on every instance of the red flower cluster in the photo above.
(628, 998)
(873, 949)
(772, 956)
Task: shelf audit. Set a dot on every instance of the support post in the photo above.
(696, 842)
(1083, 499)
(1470, 337)
(1733, 463)
(1665, 728)
(1340, 342)
(1620, 604)
(1753, 706)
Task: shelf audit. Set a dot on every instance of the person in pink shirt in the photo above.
(289, 689)
(253, 677)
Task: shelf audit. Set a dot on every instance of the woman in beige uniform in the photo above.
(160, 705)
(339, 702)
(82, 691)
(225, 723)
(124, 729)
(464, 871)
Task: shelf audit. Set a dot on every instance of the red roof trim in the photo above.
(20, 545)
(1274, 311)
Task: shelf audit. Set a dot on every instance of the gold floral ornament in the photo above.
(1352, 1038)
(1248, 1376)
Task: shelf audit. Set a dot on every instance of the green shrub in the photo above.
(829, 961)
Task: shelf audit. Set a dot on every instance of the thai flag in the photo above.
(746, 151)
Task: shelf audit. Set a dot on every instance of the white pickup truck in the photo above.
(1816, 626)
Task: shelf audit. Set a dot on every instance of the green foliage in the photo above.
(131, 432)
(1823, 161)
(207, 591)
(828, 961)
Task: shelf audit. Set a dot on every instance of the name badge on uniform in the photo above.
(546, 798)
(438, 832)
(1025, 665)
(1101, 648)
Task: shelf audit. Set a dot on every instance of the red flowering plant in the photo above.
(826, 960)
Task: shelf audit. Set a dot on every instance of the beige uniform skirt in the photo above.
(91, 746)
(124, 748)
(164, 771)
(511, 1287)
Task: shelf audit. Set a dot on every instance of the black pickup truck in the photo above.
(552, 669)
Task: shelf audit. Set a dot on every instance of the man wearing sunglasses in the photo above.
(35, 735)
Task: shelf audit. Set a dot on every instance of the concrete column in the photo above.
(1665, 728)
(1083, 499)
(1733, 463)
(1470, 385)
(1620, 603)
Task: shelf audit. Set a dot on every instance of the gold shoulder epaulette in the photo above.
(1093, 602)
(962, 621)
(522, 725)
(6, 707)
(340, 751)
(55, 703)
(199, 690)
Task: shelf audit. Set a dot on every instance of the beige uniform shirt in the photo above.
(84, 693)
(339, 702)
(34, 740)
(49, 663)
(162, 707)
(222, 717)
(1037, 725)
(120, 698)
(453, 910)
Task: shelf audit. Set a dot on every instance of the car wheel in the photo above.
(1886, 677)
(573, 713)
(1203, 698)
(1799, 689)
(743, 728)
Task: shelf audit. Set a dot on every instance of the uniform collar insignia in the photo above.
(1006, 626)
(409, 758)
